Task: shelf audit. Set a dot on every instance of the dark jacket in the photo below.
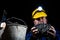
(29, 36)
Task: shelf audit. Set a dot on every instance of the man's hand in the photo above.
(52, 29)
(3, 25)
(34, 30)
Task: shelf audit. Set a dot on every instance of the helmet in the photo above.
(38, 12)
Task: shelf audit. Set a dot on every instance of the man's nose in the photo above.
(41, 20)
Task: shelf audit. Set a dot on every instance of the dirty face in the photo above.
(40, 20)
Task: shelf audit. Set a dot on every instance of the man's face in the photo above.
(40, 20)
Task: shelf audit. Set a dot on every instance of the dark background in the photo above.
(23, 10)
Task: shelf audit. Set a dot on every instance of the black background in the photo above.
(23, 9)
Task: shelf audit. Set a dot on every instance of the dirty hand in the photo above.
(34, 30)
(52, 29)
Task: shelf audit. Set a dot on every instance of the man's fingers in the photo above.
(33, 28)
(53, 29)
(35, 31)
(51, 33)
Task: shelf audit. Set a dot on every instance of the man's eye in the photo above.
(38, 19)
(41, 18)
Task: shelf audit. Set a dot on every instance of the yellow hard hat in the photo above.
(38, 12)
